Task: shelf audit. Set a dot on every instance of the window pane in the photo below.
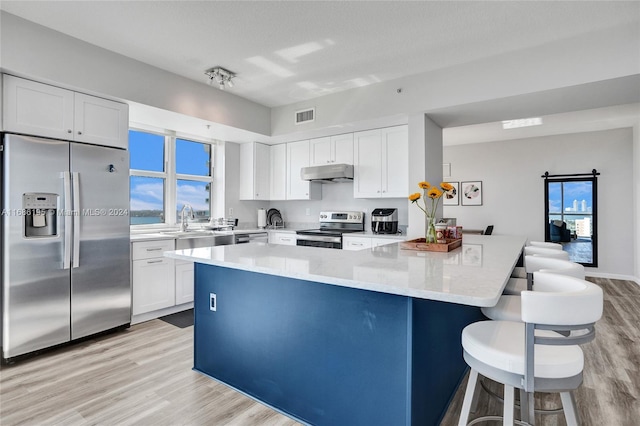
(578, 197)
(197, 194)
(146, 151)
(192, 158)
(555, 197)
(147, 200)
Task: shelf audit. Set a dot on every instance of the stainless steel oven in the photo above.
(332, 226)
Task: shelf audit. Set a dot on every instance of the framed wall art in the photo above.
(471, 193)
(452, 197)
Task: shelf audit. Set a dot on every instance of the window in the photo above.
(168, 173)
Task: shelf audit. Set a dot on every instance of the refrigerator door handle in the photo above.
(76, 219)
(66, 178)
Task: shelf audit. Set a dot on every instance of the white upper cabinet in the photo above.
(278, 182)
(342, 148)
(42, 110)
(333, 149)
(101, 121)
(320, 149)
(254, 171)
(297, 158)
(381, 159)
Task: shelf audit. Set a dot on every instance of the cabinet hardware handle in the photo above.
(155, 261)
(154, 249)
(69, 131)
(79, 132)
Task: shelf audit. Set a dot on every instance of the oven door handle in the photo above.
(318, 238)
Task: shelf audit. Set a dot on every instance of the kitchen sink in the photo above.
(203, 240)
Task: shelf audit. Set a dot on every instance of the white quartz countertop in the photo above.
(474, 274)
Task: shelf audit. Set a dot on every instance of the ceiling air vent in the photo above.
(305, 116)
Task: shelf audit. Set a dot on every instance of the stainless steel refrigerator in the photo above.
(65, 242)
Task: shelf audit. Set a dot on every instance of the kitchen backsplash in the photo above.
(338, 196)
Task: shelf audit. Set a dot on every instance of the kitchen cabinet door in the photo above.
(367, 164)
(255, 162)
(284, 238)
(153, 284)
(297, 158)
(37, 109)
(395, 161)
(320, 151)
(278, 172)
(101, 121)
(342, 148)
(355, 243)
(184, 282)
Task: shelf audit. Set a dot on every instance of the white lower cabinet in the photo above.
(153, 285)
(160, 285)
(355, 243)
(361, 243)
(284, 238)
(184, 282)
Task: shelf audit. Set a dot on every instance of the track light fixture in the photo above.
(221, 76)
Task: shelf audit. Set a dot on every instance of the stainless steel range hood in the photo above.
(331, 173)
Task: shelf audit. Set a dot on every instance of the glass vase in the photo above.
(430, 235)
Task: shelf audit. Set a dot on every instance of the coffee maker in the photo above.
(384, 221)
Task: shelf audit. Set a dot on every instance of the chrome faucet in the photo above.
(183, 223)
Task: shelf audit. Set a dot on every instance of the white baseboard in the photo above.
(613, 276)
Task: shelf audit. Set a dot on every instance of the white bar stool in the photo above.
(509, 352)
(533, 263)
(519, 272)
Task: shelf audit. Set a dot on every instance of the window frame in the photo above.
(170, 176)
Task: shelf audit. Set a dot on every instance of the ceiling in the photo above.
(287, 51)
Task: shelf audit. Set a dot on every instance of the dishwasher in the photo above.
(260, 237)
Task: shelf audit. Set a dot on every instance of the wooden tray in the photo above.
(420, 245)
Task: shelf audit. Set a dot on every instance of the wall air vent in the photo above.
(305, 116)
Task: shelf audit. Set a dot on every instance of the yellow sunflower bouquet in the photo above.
(433, 193)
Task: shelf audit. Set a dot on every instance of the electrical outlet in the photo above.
(230, 211)
(213, 305)
(308, 211)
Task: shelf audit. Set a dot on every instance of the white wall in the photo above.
(513, 190)
(33, 51)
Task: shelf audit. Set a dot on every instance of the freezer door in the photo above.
(100, 278)
(35, 283)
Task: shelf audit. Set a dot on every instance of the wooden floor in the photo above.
(143, 376)
(610, 392)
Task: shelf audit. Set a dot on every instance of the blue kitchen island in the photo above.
(333, 337)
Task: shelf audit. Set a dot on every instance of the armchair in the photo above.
(558, 232)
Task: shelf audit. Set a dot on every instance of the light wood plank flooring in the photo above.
(143, 376)
(610, 392)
